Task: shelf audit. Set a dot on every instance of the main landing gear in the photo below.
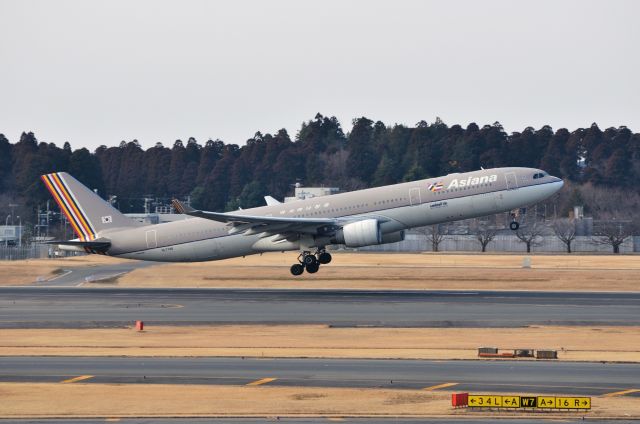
(310, 262)
(514, 225)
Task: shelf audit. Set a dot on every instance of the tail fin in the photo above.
(86, 211)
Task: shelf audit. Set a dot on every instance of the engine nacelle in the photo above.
(359, 234)
(393, 237)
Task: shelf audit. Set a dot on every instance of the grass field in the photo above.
(34, 400)
(573, 343)
(403, 271)
(449, 271)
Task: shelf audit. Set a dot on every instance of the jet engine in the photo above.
(361, 233)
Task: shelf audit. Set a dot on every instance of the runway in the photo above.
(474, 376)
(372, 420)
(70, 307)
(78, 275)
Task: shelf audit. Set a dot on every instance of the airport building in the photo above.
(302, 193)
(11, 235)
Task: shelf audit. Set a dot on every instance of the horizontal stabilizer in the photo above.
(98, 245)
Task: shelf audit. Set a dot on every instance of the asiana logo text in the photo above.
(472, 181)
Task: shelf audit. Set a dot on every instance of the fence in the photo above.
(413, 243)
(33, 251)
(503, 243)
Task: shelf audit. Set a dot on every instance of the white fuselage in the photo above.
(398, 207)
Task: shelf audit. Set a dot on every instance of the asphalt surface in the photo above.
(62, 307)
(79, 275)
(470, 420)
(474, 376)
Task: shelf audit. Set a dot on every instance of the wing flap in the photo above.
(237, 219)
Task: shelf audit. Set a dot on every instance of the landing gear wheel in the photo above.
(309, 260)
(324, 257)
(297, 269)
(514, 225)
(312, 268)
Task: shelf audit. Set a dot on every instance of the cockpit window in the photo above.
(538, 175)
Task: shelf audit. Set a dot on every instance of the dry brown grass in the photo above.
(28, 271)
(403, 271)
(35, 400)
(574, 343)
(449, 271)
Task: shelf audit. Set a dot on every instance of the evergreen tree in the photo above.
(6, 176)
(362, 162)
(219, 175)
(85, 168)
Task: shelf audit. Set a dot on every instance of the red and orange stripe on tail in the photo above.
(69, 206)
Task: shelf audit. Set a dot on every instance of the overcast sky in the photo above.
(94, 73)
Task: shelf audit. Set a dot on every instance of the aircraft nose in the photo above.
(557, 183)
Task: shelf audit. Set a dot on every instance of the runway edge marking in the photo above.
(440, 386)
(262, 381)
(621, 393)
(75, 379)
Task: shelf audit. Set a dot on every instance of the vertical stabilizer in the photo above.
(87, 212)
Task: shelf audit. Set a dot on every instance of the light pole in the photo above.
(6, 224)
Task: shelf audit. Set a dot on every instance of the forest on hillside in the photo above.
(601, 166)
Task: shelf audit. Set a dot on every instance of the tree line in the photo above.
(220, 176)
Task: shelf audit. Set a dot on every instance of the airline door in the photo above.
(151, 238)
(414, 196)
(512, 181)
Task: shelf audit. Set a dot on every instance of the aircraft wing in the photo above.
(239, 219)
(269, 226)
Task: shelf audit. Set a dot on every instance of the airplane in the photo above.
(354, 219)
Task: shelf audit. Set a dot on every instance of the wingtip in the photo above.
(177, 206)
(181, 207)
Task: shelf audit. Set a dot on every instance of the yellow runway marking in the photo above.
(79, 378)
(621, 393)
(261, 381)
(440, 386)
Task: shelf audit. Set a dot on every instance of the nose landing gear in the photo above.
(310, 262)
(515, 214)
